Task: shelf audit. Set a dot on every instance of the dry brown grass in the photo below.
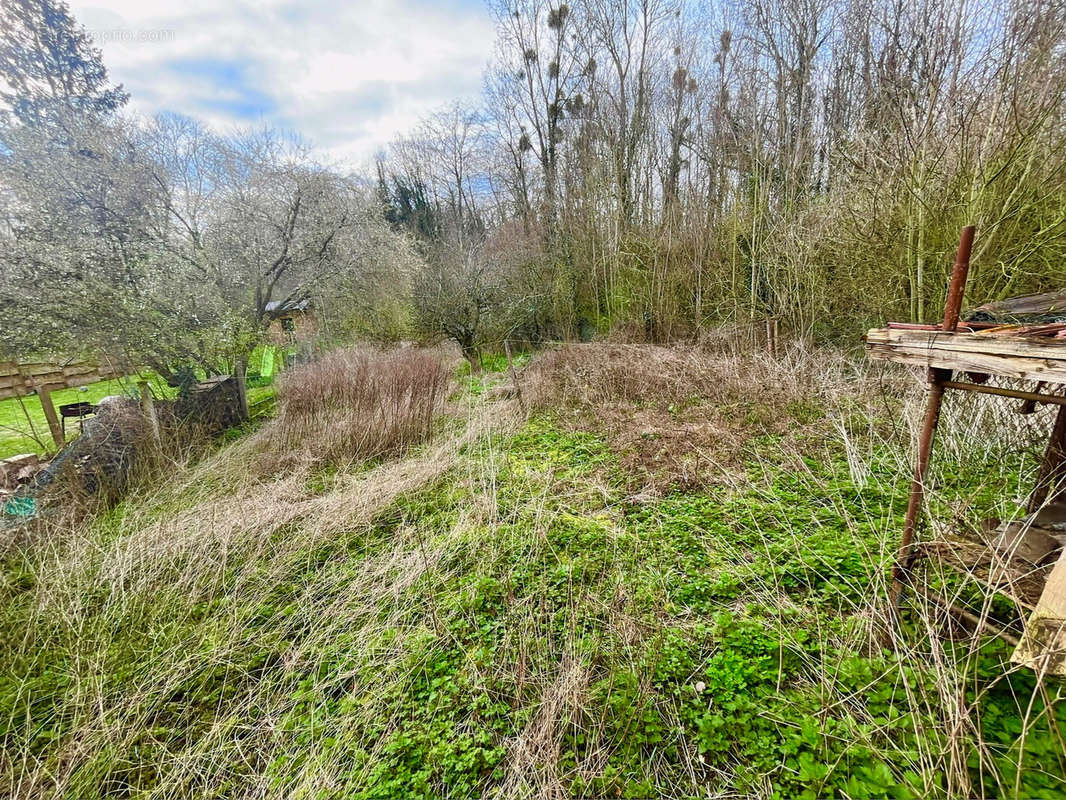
(533, 758)
(680, 416)
(356, 404)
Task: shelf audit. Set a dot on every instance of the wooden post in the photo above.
(1053, 468)
(44, 394)
(148, 408)
(242, 388)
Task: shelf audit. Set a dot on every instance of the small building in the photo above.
(291, 322)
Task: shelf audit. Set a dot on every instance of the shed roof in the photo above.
(282, 306)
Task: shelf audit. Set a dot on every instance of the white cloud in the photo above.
(346, 76)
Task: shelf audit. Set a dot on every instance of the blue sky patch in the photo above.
(223, 87)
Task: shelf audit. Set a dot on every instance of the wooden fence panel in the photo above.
(22, 379)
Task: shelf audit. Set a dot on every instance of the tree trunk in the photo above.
(471, 354)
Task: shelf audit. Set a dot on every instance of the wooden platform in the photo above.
(1035, 583)
(998, 351)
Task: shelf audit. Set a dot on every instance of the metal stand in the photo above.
(1051, 482)
(937, 379)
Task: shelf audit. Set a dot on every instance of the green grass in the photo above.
(260, 395)
(21, 435)
(515, 626)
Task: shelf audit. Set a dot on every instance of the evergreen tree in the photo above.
(49, 64)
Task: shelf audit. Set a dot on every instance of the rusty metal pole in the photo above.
(953, 306)
(937, 379)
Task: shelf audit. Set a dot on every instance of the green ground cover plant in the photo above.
(523, 606)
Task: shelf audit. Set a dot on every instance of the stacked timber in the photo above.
(1013, 352)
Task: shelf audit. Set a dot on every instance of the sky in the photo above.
(347, 77)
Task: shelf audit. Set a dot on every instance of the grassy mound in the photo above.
(538, 600)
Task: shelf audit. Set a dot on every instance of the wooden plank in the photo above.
(19, 380)
(1043, 647)
(82, 380)
(80, 369)
(18, 390)
(1048, 303)
(1021, 346)
(39, 368)
(44, 394)
(1011, 366)
(57, 380)
(1034, 369)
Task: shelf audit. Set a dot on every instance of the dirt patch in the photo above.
(664, 451)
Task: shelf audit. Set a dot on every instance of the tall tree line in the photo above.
(657, 165)
(665, 164)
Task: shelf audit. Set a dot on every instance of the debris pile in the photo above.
(1024, 339)
(1047, 309)
(16, 473)
(17, 470)
(212, 405)
(103, 458)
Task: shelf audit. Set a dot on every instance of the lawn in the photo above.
(24, 429)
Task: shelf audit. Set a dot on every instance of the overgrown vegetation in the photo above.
(526, 607)
(357, 404)
(622, 571)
